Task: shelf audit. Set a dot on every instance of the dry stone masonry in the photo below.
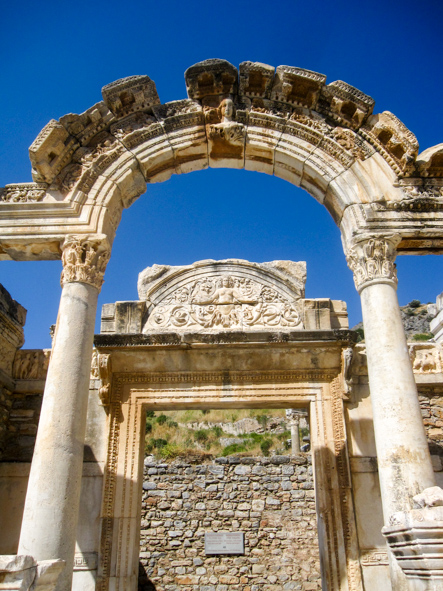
(270, 500)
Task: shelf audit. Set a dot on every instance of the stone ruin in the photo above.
(237, 334)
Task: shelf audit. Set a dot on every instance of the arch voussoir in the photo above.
(284, 121)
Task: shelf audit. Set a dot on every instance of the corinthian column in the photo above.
(52, 501)
(404, 462)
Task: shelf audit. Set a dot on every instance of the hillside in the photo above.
(211, 433)
(416, 318)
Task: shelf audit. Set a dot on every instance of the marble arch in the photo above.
(365, 168)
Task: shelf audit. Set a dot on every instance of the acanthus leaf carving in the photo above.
(372, 261)
(84, 260)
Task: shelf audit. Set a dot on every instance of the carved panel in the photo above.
(23, 193)
(225, 301)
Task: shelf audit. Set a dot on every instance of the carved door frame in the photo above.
(134, 393)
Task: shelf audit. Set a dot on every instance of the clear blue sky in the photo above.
(56, 56)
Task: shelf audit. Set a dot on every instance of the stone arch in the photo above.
(363, 167)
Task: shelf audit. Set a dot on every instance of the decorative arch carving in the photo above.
(287, 121)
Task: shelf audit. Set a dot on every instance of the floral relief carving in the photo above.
(372, 260)
(225, 301)
(84, 260)
(23, 193)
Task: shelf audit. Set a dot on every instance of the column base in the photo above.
(23, 573)
(415, 538)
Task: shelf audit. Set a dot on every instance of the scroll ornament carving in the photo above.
(23, 193)
(372, 260)
(225, 301)
(84, 260)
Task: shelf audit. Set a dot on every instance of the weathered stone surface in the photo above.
(211, 77)
(128, 95)
(345, 104)
(256, 79)
(286, 529)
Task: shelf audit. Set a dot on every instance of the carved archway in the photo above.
(287, 121)
(364, 168)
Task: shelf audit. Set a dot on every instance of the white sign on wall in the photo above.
(224, 542)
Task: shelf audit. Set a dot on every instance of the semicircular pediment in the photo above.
(224, 295)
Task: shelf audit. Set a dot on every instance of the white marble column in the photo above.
(294, 423)
(404, 462)
(52, 502)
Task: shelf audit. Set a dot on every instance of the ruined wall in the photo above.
(271, 500)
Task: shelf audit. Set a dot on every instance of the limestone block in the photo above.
(345, 104)
(430, 162)
(297, 86)
(128, 95)
(51, 151)
(211, 77)
(393, 140)
(256, 79)
(23, 573)
(48, 572)
(317, 314)
(436, 326)
(184, 124)
(153, 151)
(122, 317)
(107, 157)
(264, 133)
(85, 126)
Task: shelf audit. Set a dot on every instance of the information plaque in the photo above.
(224, 542)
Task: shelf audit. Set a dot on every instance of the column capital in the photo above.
(84, 259)
(371, 259)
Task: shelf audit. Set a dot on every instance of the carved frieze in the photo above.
(84, 260)
(372, 261)
(230, 295)
(23, 193)
(420, 196)
(345, 104)
(225, 301)
(85, 126)
(31, 364)
(51, 151)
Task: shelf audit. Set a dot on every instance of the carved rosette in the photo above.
(372, 261)
(84, 260)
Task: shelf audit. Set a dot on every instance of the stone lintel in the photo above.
(185, 340)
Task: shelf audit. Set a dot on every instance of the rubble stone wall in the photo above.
(271, 500)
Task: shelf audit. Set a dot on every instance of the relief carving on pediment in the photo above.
(225, 301)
